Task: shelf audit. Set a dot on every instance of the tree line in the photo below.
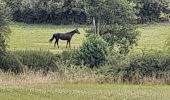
(75, 11)
(47, 11)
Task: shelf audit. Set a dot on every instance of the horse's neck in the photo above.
(72, 33)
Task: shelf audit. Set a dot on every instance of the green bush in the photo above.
(121, 38)
(92, 53)
(38, 60)
(10, 63)
(140, 66)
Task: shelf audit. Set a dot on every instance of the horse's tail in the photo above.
(52, 38)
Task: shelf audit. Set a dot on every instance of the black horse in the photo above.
(64, 36)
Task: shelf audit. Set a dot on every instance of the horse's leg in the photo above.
(57, 42)
(67, 44)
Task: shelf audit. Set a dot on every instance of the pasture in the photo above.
(153, 36)
(36, 36)
(33, 36)
(84, 92)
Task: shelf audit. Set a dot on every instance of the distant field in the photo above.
(84, 92)
(153, 36)
(26, 36)
(36, 36)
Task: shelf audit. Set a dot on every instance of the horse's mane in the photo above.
(73, 31)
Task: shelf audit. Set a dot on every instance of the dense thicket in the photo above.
(133, 69)
(141, 66)
(47, 11)
(75, 11)
(38, 60)
(4, 29)
(8, 62)
(153, 11)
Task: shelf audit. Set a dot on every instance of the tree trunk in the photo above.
(98, 27)
(94, 25)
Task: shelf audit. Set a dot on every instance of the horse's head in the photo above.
(77, 31)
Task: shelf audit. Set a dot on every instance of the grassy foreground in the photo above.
(35, 86)
(84, 92)
(36, 36)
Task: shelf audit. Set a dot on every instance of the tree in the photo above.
(114, 20)
(151, 10)
(47, 11)
(95, 9)
(4, 29)
(92, 53)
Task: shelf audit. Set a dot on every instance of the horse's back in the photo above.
(57, 34)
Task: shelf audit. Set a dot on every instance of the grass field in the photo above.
(34, 86)
(25, 36)
(84, 92)
(153, 36)
(36, 36)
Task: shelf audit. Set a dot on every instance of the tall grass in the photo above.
(63, 76)
(38, 59)
(10, 63)
(151, 67)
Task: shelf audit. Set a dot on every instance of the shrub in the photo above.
(121, 38)
(10, 63)
(136, 68)
(4, 29)
(38, 60)
(92, 53)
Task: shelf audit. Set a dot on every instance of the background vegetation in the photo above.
(109, 49)
(74, 11)
(121, 42)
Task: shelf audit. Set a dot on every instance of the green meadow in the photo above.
(153, 36)
(35, 36)
(84, 92)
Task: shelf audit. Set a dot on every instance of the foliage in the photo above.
(136, 68)
(47, 11)
(111, 11)
(121, 38)
(92, 53)
(151, 10)
(10, 63)
(114, 20)
(38, 60)
(81, 11)
(4, 29)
